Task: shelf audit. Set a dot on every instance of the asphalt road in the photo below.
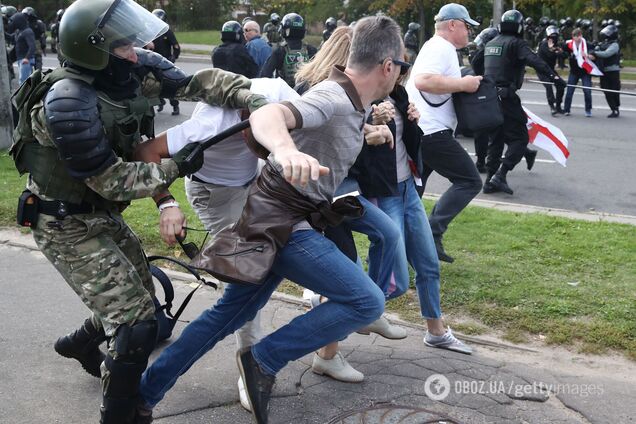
(597, 176)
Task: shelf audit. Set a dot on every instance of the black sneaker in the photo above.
(159, 108)
(614, 114)
(175, 111)
(531, 156)
(441, 254)
(258, 385)
(553, 110)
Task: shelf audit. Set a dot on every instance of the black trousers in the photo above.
(443, 154)
(549, 93)
(513, 133)
(482, 139)
(173, 102)
(612, 81)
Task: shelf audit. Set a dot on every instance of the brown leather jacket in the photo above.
(244, 253)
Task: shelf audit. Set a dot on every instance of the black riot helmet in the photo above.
(414, 27)
(577, 23)
(610, 22)
(529, 21)
(609, 33)
(161, 14)
(552, 32)
(511, 22)
(562, 22)
(544, 21)
(232, 31)
(553, 22)
(8, 11)
(617, 24)
(59, 14)
(293, 26)
(569, 22)
(331, 23)
(603, 23)
(586, 24)
(274, 18)
(485, 36)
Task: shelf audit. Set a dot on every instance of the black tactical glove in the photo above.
(558, 81)
(189, 159)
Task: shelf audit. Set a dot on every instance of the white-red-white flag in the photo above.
(584, 62)
(548, 137)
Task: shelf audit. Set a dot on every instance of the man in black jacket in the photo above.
(24, 45)
(232, 54)
(505, 59)
(167, 46)
(551, 50)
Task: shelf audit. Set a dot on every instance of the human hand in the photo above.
(382, 113)
(172, 223)
(298, 167)
(412, 113)
(376, 135)
(470, 83)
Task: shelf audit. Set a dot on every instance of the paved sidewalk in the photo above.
(499, 383)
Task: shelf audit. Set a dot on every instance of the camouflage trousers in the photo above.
(101, 259)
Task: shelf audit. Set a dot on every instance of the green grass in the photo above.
(199, 37)
(629, 62)
(573, 282)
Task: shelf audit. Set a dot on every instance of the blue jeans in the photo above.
(417, 249)
(25, 69)
(309, 259)
(384, 241)
(586, 81)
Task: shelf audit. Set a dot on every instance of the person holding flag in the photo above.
(581, 68)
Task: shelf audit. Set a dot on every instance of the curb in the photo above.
(562, 213)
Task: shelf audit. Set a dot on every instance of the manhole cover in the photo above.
(392, 414)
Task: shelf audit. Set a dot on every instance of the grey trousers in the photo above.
(217, 207)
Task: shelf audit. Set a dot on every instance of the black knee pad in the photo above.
(133, 345)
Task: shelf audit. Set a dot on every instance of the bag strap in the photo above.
(169, 293)
(434, 104)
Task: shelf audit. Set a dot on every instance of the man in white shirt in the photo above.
(218, 191)
(435, 76)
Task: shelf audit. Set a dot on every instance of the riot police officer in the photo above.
(78, 126)
(55, 35)
(39, 30)
(232, 55)
(412, 42)
(550, 51)
(505, 59)
(167, 46)
(291, 53)
(272, 29)
(608, 51)
(330, 27)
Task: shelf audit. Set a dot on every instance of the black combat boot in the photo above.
(83, 345)
(480, 163)
(175, 110)
(498, 182)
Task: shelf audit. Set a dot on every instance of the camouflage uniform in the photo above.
(98, 254)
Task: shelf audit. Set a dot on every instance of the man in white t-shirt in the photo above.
(435, 76)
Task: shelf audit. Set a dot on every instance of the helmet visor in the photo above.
(126, 24)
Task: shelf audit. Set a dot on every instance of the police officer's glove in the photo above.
(189, 159)
(256, 101)
(558, 81)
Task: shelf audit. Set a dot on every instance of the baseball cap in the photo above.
(454, 11)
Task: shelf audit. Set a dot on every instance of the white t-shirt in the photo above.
(437, 57)
(229, 163)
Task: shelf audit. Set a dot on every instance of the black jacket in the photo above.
(375, 169)
(233, 57)
(24, 37)
(167, 46)
(550, 56)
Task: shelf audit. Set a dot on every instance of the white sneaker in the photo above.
(337, 368)
(447, 341)
(243, 395)
(384, 328)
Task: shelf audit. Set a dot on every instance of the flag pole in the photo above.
(607, 90)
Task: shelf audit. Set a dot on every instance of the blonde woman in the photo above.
(383, 234)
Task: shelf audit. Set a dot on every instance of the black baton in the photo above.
(218, 138)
